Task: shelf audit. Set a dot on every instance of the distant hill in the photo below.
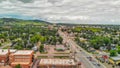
(21, 21)
(72, 24)
(9, 20)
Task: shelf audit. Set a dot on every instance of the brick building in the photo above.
(22, 57)
(57, 63)
(4, 55)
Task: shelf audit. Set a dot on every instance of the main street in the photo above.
(80, 54)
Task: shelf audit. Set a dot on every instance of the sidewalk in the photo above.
(7, 66)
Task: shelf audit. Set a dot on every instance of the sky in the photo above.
(63, 11)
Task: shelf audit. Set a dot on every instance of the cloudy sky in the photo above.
(63, 11)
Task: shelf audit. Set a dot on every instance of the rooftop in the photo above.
(60, 47)
(115, 58)
(23, 52)
(20, 63)
(5, 51)
(57, 62)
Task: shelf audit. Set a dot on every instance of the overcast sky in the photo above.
(63, 11)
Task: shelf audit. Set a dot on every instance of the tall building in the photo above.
(57, 63)
(22, 57)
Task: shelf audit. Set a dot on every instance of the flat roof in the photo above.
(20, 63)
(57, 62)
(116, 58)
(13, 50)
(23, 52)
(5, 51)
(60, 47)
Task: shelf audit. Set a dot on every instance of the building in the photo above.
(57, 63)
(22, 57)
(4, 55)
(115, 60)
(60, 48)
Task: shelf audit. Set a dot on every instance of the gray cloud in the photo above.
(68, 11)
(54, 1)
(26, 1)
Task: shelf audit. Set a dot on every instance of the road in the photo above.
(35, 63)
(80, 54)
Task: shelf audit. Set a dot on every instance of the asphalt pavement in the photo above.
(81, 55)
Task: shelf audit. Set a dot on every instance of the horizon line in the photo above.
(62, 22)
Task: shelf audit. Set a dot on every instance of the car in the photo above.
(90, 58)
(98, 64)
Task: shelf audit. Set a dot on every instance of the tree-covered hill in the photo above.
(14, 21)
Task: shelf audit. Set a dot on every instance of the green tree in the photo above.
(60, 40)
(106, 40)
(19, 47)
(54, 40)
(41, 49)
(118, 51)
(0, 44)
(35, 38)
(2, 36)
(113, 53)
(95, 44)
(43, 39)
(18, 66)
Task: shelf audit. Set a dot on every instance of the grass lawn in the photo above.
(64, 57)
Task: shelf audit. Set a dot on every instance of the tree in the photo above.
(41, 49)
(19, 47)
(54, 40)
(106, 40)
(37, 38)
(77, 39)
(99, 41)
(118, 51)
(113, 53)
(60, 39)
(0, 44)
(2, 36)
(96, 46)
(43, 39)
(18, 66)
